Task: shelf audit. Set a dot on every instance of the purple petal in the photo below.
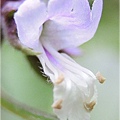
(59, 7)
(96, 15)
(72, 51)
(29, 19)
(75, 29)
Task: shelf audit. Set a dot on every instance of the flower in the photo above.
(55, 28)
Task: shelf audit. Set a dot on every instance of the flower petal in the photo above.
(73, 30)
(29, 19)
(73, 89)
(59, 7)
(96, 15)
(73, 51)
(73, 96)
(81, 10)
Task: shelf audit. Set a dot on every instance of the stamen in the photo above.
(57, 105)
(100, 77)
(60, 79)
(89, 106)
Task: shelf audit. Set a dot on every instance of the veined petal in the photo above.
(74, 87)
(29, 19)
(73, 30)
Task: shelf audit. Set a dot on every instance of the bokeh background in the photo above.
(21, 81)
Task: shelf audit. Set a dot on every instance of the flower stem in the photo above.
(23, 110)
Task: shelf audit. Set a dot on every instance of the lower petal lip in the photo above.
(65, 62)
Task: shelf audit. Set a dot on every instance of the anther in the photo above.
(57, 104)
(100, 77)
(60, 79)
(90, 106)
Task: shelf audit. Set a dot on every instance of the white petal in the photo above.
(74, 90)
(29, 19)
(71, 31)
(47, 65)
(65, 61)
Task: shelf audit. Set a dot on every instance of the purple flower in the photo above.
(51, 26)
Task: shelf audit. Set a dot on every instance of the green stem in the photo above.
(24, 111)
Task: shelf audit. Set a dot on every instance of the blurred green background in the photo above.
(23, 83)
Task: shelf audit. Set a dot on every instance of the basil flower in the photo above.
(56, 28)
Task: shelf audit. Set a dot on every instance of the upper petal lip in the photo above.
(72, 30)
